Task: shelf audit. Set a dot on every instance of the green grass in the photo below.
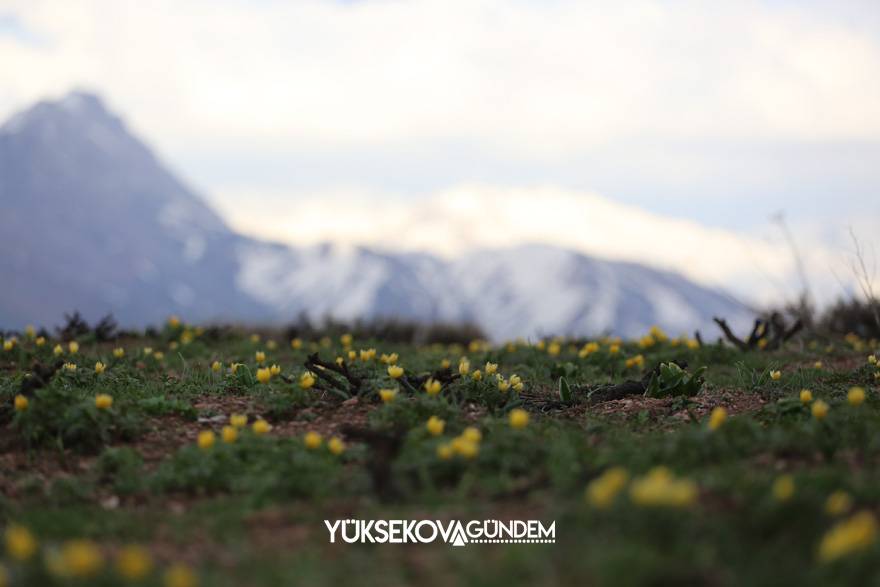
(252, 511)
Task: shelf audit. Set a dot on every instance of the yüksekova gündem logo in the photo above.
(452, 532)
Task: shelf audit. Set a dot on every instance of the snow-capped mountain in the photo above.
(93, 221)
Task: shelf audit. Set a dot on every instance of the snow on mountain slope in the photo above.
(526, 291)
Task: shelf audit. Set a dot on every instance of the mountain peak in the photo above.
(76, 109)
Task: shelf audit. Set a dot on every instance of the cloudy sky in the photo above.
(665, 131)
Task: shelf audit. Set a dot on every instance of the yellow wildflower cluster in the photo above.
(856, 396)
(717, 418)
(588, 349)
(853, 535)
(602, 491)
(312, 440)
(660, 488)
(465, 445)
(432, 386)
(636, 361)
(387, 395)
(783, 488)
(518, 418)
(261, 427)
(306, 380)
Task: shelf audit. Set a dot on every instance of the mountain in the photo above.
(93, 221)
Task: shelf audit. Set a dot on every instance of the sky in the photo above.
(670, 132)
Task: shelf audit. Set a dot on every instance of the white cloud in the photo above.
(536, 79)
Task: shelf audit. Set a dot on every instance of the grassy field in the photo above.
(130, 461)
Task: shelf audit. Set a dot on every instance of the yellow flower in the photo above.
(465, 447)
(432, 386)
(296, 344)
(229, 434)
(717, 418)
(518, 418)
(387, 395)
(73, 347)
(103, 401)
(233, 368)
(158, 355)
(693, 344)
(260, 357)
(8, 344)
(838, 503)
(872, 360)
(100, 367)
(133, 563)
(30, 331)
(21, 403)
(205, 439)
(775, 375)
(464, 367)
(119, 352)
(783, 488)
(57, 350)
(588, 349)
(388, 359)
(264, 374)
(856, 396)
(659, 488)
(261, 427)
(271, 345)
(806, 396)
(238, 420)
(602, 490)
(477, 375)
(491, 368)
(658, 333)
(41, 340)
(312, 440)
(444, 451)
(820, 409)
(445, 364)
(180, 575)
(503, 385)
(435, 426)
(614, 349)
(274, 370)
(395, 371)
(216, 366)
(352, 355)
(306, 380)
(173, 321)
(70, 367)
(255, 338)
(817, 365)
(346, 340)
(554, 348)
(20, 543)
(516, 382)
(472, 434)
(173, 345)
(81, 558)
(148, 351)
(855, 534)
(636, 361)
(336, 446)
